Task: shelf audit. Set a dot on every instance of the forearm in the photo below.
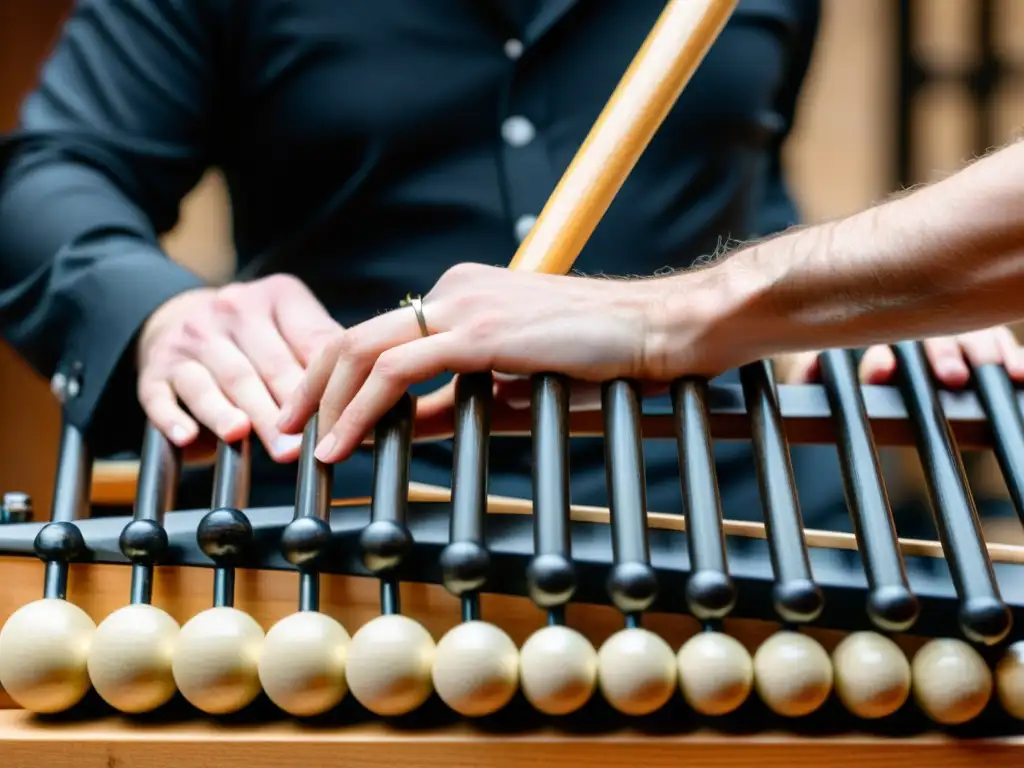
(947, 258)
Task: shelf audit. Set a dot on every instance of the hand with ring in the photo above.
(476, 318)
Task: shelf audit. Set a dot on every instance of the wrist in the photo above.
(709, 320)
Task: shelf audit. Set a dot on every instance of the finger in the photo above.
(339, 368)
(274, 360)
(982, 347)
(199, 392)
(238, 379)
(797, 368)
(393, 373)
(878, 365)
(303, 322)
(946, 357)
(161, 407)
(1012, 353)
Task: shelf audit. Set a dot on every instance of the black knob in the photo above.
(710, 594)
(60, 543)
(464, 565)
(385, 544)
(551, 579)
(893, 608)
(985, 620)
(304, 540)
(224, 534)
(143, 541)
(632, 586)
(798, 600)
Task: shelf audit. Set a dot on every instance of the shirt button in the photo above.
(517, 131)
(523, 226)
(513, 48)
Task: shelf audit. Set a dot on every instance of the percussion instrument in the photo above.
(434, 626)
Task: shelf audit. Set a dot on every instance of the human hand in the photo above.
(480, 319)
(231, 356)
(950, 358)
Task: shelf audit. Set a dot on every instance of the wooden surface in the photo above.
(111, 744)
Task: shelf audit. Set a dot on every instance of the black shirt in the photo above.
(368, 145)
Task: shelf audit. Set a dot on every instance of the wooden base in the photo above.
(262, 736)
(108, 743)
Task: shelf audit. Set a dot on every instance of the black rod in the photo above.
(143, 540)
(891, 604)
(710, 592)
(465, 562)
(59, 542)
(632, 584)
(386, 541)
(551, 575)
(225, 532)
(797, 597)
(998, 399)
(308, 536)
(983, 615)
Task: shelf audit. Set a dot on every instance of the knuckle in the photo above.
(459, 275)
(231, 300)
(389, 367)
(279, 282)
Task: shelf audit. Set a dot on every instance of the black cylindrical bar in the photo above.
(796, 595)
(469, 458)
(551, 576)
(892, 605)
(74, 476)
(143, 540)
(983, 615)
(231, 476)
(632, 584)
(710, 592)
(1000, 404)
(386, 541)
(231, 529)
(59, 542)
(465, 561)
(223, 587)
(308, 535)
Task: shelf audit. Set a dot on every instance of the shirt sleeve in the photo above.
(119, 128)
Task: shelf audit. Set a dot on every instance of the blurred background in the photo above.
(901, 91)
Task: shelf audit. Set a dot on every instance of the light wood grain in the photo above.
(113, 744)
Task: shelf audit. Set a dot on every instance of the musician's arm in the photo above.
(115, 134)
(946, 258)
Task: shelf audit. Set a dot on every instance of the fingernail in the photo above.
(325, 450)
(179, 434)
(286, 443)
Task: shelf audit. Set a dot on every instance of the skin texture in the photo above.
(943, 261)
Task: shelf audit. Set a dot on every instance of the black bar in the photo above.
(70, 501)
(891, 604)
(156, 493)
(797, 597)
(469, 456)
(385, 542)
(632, 584)
(983, 615)
(710, 592)
(997, 398)
(551, 574)
(231, 476)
